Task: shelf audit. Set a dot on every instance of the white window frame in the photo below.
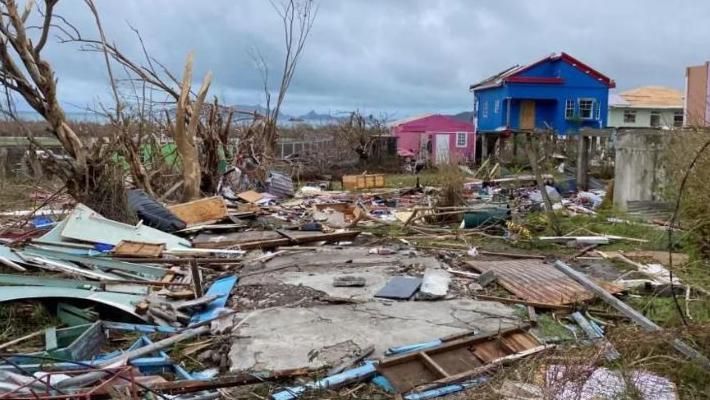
(591, 109)
(597, 110)
(496, 107)
(569, 106)
(465, 139)
(632, 114)
(484, 109)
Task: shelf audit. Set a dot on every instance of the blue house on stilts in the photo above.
(557, 94)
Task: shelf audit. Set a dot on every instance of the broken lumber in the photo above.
(200, 211)
(240, 379)
(91, 377)
(351, 361)
(638, 318)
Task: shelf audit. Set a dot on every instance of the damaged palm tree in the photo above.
(89, 177)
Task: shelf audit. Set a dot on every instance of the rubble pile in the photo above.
(293, 287)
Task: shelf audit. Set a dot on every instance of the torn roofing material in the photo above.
(119, 301)
(86, 225)
(533, 280)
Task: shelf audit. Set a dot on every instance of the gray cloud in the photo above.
(396, 56)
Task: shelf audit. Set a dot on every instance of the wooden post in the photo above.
(532, 155)
(196, 279)
(645, 323)
(583, 162)
(484, 147)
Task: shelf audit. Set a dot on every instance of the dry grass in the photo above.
(450, 179)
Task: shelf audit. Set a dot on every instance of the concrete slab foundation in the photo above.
(284, 338)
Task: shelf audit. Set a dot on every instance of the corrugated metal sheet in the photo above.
(280, 185)
(536, 281)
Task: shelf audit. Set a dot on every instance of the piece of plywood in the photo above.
(129, 248)
(400, 287)
(250, 196)
(200, 211)
(527, 114)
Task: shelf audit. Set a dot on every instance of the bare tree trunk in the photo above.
(187, 119)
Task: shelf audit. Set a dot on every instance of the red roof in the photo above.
(432, 123)
(512, 74)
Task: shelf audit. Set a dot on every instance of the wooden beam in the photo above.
(638, 318)
(483, 369)
(196, 278)
(451, 345)
(191, 386)
(433, 365)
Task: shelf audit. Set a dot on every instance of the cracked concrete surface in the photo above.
(317, 269)
(284, 338)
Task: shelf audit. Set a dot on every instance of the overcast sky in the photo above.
(392, 56)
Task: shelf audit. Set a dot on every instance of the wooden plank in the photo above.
(489, 351)
(483, 369)
(454, 344)
(433, 365)
(266, 239)
(200, 211)
(640, 319)
(129, 248)
(520, 341)
(406, 376)
(196, 278)
(457, 360)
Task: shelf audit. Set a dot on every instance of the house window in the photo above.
(655, 119)
(496, 107)
(461, 139)
(597, 111)
(586, 108)
(484, 109)
(569, 109)
(629, 116)
(678, 119)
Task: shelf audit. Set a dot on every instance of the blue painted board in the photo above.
(222, 288)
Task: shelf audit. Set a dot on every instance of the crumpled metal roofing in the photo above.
(534, 280)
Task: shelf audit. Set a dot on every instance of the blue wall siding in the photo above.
(487, 98)
(550, 99)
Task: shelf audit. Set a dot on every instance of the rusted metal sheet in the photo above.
(536, 281)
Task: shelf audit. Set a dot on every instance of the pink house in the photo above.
(435, 137)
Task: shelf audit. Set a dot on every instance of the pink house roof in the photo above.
(432, 123)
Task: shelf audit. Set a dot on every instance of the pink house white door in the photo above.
(442, 149)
